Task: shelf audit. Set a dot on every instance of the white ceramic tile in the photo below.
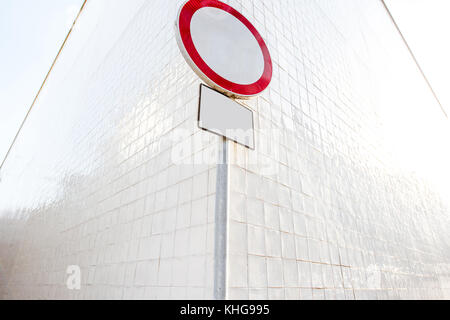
(274, 272)
(258, 277)
(256, 243)
(237, 278)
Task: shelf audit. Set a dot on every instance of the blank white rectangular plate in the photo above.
(223, 116)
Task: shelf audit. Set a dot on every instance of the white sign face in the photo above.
(223, 48)
(227, 46)
(225, 117)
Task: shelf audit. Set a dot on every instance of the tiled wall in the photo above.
(338, 200)
(99, 178)
(346, 195)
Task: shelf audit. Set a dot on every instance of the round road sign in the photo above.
(223, 48)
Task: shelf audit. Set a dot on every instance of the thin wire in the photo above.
(42, 86)
(414, 57)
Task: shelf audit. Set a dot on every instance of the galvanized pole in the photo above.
(220, 239)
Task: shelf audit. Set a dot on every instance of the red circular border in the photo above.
(184, 23)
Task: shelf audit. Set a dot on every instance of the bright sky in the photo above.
(31, 32)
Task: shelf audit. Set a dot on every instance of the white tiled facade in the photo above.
(344, 197)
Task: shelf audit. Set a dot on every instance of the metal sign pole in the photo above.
(204, 30)
(220, 239)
